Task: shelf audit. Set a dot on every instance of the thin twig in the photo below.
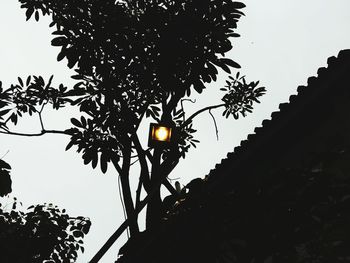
(134, 162)
(216, 127)
(182, 106)
(188, 121)
(4, 154)
(9, 117)
(123, 205)
(40, 117)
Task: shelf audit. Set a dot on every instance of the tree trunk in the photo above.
(153, 214)
(128, 202)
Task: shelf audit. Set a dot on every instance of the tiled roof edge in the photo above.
(312, 84)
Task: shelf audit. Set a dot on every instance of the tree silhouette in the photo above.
(42, 234)
(134, 60)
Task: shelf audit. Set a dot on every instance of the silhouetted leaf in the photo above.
(29, 13)
(198, 86)
(59, 41)
(28, 80)
(76, 123)
(103, 162)
(4, 112)
(61, 55)
(230, 62)
(20, 81)
(36, 15)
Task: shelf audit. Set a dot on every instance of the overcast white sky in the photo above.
(282, 43)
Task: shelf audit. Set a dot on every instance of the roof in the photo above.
(289, 136)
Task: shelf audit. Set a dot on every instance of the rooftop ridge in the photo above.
(314, 83)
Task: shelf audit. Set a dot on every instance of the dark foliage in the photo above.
(42, 234)
(134, 59)
(240, 96)
(5, 178)
(294, 215)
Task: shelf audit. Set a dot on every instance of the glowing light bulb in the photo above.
(162, 134)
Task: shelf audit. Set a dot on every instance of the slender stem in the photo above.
(41, 121)
(216, 126)
(5, 154)
(188, 121)
(40, 117)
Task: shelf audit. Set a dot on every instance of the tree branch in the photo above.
(170, 188)
(117, 167)
(188, 121)
(144, 176)
(34, 134)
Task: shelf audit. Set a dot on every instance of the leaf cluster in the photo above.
(43, 234)
(29, 97)
(240, 96)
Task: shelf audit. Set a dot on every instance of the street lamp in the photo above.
(160, 135)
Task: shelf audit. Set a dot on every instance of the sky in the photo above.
(282, 43)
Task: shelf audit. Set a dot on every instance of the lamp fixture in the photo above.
(160, 135)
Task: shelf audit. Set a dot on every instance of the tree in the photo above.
(42, 234)
(134, 60)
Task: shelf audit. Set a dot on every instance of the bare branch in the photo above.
(216, 127)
